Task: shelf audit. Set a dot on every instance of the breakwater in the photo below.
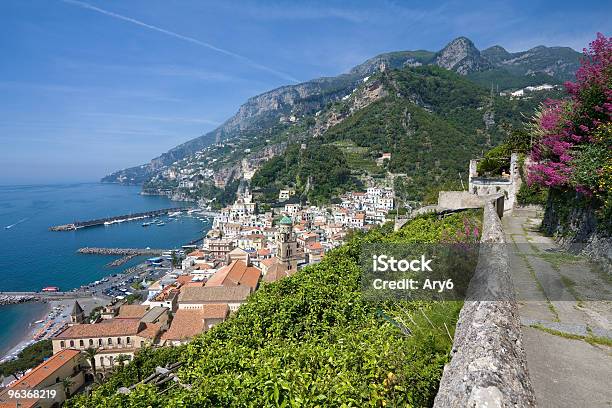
(116, 219)
(13, 299)
(120, 251)
(8, 298)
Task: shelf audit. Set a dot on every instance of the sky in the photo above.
(88, 87)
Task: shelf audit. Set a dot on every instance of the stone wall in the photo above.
(456, 200)
(508, 184)
(488, 366)
(572, 220)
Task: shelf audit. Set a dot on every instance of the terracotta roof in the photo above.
(132, 311)
(197, 253)
(45, 369)
(215, 311)
(315, 246)
(269, 262)
(276, 272)
(109, 328)
(166, 294)
(235, 274)
(150, 331)
(214, 294)
(189, 323)
(238, 251)
(35, 377)
(183, 279)
(263, 252)
(185, 325)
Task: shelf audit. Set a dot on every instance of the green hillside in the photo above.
(432, 123)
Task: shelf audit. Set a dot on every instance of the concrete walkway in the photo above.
(565, 305)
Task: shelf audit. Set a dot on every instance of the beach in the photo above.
(50, 317)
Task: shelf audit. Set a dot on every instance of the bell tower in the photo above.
(286, 244)
(77, 315)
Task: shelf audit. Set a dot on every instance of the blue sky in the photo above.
(88, 87)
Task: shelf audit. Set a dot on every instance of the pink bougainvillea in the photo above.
(562, 127)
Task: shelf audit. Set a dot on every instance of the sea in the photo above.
(32, 257)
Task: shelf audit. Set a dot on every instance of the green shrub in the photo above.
(29, 357)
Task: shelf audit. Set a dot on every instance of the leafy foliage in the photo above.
(29, 357)
(503, 79)
(317, 172)
(574, 136)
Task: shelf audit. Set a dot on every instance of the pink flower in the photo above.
(563, 126)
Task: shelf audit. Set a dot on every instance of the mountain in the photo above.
(263, 112)
(461, 56)
(558, 62)
(432, 122)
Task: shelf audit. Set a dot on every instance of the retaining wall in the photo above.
(488, 366)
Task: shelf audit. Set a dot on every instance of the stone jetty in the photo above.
(120, 251)
(120, 261)
(117, 219)
(6, 299)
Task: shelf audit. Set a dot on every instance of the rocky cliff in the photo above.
(461, 56)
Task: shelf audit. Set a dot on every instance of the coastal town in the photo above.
(181, 293)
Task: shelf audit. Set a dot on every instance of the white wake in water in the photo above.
(17, 223)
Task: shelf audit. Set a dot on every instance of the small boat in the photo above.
(146, 224)
(161, 224)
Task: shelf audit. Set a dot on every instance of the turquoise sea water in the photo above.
(32, 257)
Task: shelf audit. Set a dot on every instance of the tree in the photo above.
(66, 384)
(90, 355)
(176, 261)
(29, 357)
(122, 359)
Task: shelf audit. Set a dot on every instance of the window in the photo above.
(142, 344)
(91, 342)
(118, 340)
(71, 343)
(81, 343)
(127, 340)
(62, 344)
(99, 342)
(109, 341)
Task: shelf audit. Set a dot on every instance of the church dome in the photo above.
(286, 221)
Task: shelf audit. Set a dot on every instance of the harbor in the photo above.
(119, 219)
(54, 260)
